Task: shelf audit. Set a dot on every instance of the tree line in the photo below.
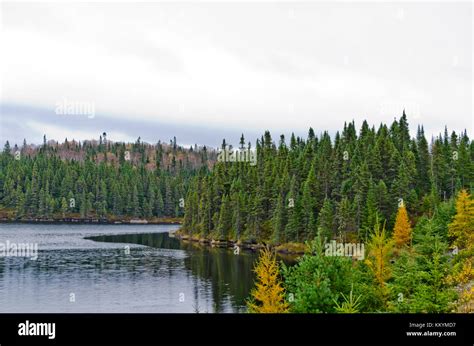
(341, 186)
(98, 179)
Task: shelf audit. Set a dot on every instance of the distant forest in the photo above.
(98, 179)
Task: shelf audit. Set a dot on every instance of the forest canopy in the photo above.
(341, 186)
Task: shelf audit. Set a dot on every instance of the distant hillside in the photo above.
(98, 179)
(168, 155)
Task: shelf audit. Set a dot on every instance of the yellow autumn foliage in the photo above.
(461, 229)
(402, 228)
(466, 290)
(268, 296)
(462, 277)
(378, 257)
(466, 301)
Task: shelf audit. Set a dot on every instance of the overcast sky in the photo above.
(204, 71)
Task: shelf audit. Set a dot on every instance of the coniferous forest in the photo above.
(97, 179)
(339, 185)
(406, 199)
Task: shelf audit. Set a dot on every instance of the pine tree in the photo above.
(64, 207)
(345, 218)
(7, 149)
(279, 221)
(159, 204)
(326, 223)
(101, 204)
(371, 209)
(422, 163)
(42, 204)
(420, 275)
(404, 182)
(317, 280)
(309, 205)
(293, 228)
(33, 200)
(360, 188)
(225, 219)
(383, 201)
(403, 133)
(20, 203)
(464, 164)
(135, 204)
(238, 214)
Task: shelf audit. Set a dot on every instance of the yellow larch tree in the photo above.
(378, 257)
(268, 296)
(402, 228)
(461, 229)
(462, 276)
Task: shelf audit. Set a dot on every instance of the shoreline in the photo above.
(292, 249)
(94, 221)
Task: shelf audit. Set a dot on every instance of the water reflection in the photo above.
(226, 275)
(137, 269)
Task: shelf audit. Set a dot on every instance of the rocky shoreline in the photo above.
(287, 249)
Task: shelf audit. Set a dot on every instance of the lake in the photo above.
(119, 268)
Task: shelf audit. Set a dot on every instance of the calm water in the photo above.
(119, 268)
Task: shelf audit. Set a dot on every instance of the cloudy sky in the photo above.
(202, 71)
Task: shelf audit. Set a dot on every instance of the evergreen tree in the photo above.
(225, 218)
(134, 203)
(64, 207)
(317, 281)
(326, 223)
